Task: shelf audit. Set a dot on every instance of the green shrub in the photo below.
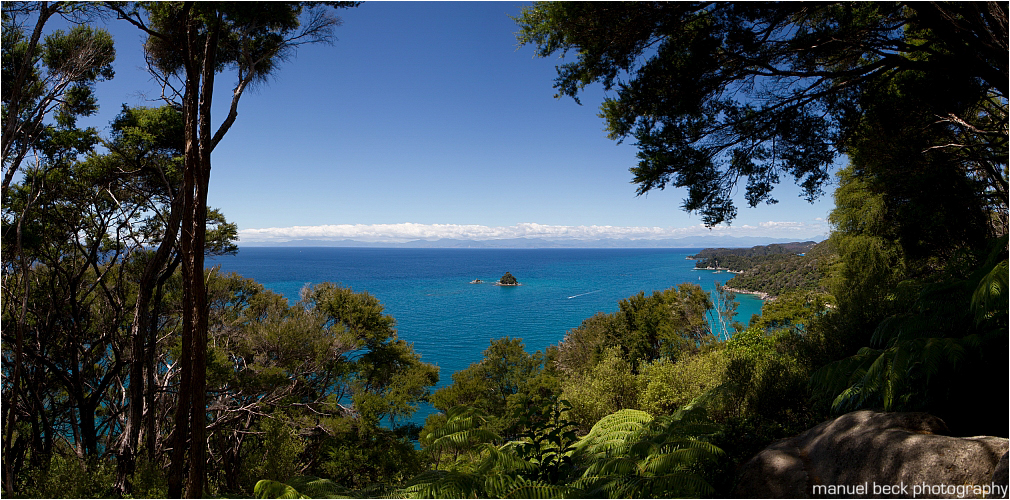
(668, 386)
(277, 457)
(607, 387)
(66, 476)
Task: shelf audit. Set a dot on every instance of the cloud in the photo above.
(408, 231)
(783, 225)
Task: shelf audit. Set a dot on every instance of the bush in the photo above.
(277, 457)
(607, 387)
(66, 476)
(668, 386)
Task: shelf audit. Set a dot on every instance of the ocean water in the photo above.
(451, 321)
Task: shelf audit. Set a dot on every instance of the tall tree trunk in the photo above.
(10, 419)
(191, 412)
(153, 423)
(198, 417)
(191, 163)
(144, 349)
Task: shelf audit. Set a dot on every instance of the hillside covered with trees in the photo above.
(710, 258)
(773, 270)
(130, 370)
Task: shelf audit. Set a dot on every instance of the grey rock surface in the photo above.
(1001, 475)
(859, 454)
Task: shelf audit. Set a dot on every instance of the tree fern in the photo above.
(314, 487)
(445, 484)
(507, 486)
(309, 487)
(631, 454)
(915, 356)
(626, 454)
(462, 432)
(525, 488)
(268, 488)
(989, 300)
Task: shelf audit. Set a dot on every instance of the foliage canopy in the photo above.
(714, 93)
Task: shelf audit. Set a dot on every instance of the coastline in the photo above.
(761, 295)
(728, 270)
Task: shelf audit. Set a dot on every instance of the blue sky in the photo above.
(425, 120)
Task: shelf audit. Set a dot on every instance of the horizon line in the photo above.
(413, 232)
(689, 242)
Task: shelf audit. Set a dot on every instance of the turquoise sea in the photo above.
(451, 321)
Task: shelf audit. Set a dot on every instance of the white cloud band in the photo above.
(404, 232)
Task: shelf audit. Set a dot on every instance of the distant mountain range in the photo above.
(686, 242)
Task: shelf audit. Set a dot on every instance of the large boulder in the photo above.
(866, 454)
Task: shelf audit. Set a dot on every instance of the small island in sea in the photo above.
(508, 280)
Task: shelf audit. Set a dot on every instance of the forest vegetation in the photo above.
(131, 370)
(773, 270)
(709, 258)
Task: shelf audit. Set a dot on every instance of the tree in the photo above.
(609, 386)
(666, 323)
(77, 238)
(921, 236)
(50, 78)
(919, 329)
(583, 346)
(714, 93)
(505, 379)
(187, 45)
(295, 386)
(43, 79)
(148, 142)
(667, 386)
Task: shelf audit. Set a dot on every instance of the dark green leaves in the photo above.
(717, 93)
(506, 378)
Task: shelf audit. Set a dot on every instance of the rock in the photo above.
(508, 279)
(1001, 475)
(871, 449)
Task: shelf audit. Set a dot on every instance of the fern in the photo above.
(535, 489)
(631, 454)
(314, 487)
(914, 355)
(462, 431)
(991, 294)
(626, 454)
(444, 484)
(311, 487)
(268, 488)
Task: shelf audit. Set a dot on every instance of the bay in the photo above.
(449, 320)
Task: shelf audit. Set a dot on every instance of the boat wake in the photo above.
(581, 294)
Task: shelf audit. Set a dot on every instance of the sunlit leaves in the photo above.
(268, 488)
(631, 454)
(626, 454)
